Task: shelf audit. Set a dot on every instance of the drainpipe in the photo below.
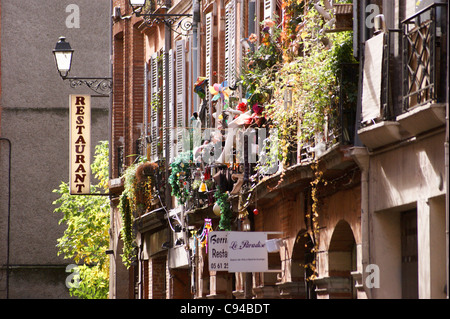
(446, 161)
(251, 17)
(111, 54)
(361, 157)
(167, 47)
(146, 104)
(9, 217)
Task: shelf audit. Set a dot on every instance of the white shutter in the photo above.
(146, 104)
(164, 125)
(230, 42)
(154, 130)
(171, 108)
(269, 8)
(209, 45)
(181, 92)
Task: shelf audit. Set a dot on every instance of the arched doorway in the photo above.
(302, 257)
(342, 262)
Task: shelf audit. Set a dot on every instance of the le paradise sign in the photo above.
(237, 251)
(80, 144)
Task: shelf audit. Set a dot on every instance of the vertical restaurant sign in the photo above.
(80, 144)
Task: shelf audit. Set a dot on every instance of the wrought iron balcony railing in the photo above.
(424, 54)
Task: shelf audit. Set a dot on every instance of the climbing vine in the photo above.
(294, 75)
(225, 209)
(127, 202)
(180, 176)
(313, 215)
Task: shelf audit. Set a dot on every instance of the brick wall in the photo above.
(157, 277)
(118, 102)
(128, 79)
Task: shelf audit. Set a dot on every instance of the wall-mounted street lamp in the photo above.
(63, 57)
(138, 6)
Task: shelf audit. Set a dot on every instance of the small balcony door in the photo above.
(409, 255)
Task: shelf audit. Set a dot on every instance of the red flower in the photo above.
(242, 107)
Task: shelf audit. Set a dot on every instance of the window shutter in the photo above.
(209, 44)
(153, 107)
(164, 100)
(171, 108)
(181, 92)
(230, 42)
(269, 9)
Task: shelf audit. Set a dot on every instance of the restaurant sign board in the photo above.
(237, 251)
(80, 144)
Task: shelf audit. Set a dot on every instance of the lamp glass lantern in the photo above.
(137, 3)
(63, 57)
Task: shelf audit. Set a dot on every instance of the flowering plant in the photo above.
(180, 176)
(260, 63)
(252, 38)
(242, 107)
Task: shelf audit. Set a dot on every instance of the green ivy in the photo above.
(225, 209)
(180, 176)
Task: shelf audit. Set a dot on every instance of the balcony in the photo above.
(424, 65)
(339, 130)
(404, 79)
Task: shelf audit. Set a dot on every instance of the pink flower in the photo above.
(257, 108)
(252, 38)
(268, 23)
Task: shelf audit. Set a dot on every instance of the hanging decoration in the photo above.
(216, 210)
(180, 177)
(221, 91)
(203, 237)
(200, 87)
(203, 188)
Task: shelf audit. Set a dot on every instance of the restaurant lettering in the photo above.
(80, 139)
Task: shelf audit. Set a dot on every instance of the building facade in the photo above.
(343, 208)
(35, 119)
(405, 192)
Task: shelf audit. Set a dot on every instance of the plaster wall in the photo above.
(403, 175)
(34, 102)
(404, 178)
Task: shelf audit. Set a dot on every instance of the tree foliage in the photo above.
(86, 237)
